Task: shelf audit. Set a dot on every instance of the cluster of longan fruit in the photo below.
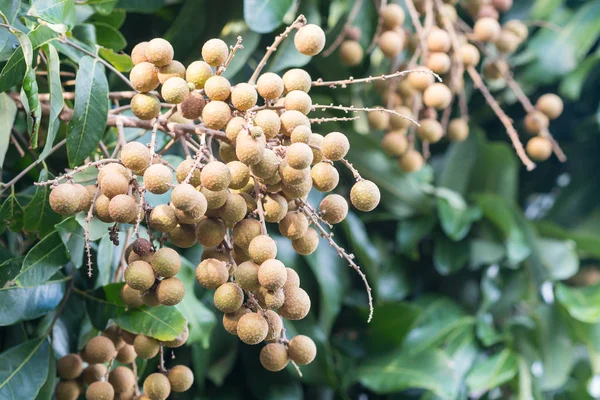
(105, 370)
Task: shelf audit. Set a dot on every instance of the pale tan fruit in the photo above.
(536, 122)
(306, 244)
(64, 200)
(158, 179)
(244, 231)
(123, 208)
(100, 208)
(518, 28)
(230, 320)
(292, 119)
(469, 55)
(378, 119)
(159, 52)
(250, 147)
(131, 297)
(181, 378)
(179, 340)
(270, 86)
(268, 165)
(438, 40)
(391, 43)
(215, 176)
(113, 184)
(186, 198)
(212, 273)
(122, 379)
(262, 248)
(333, 208)
(174, 90)
(437, 96)
(458, 130)
(136, 157)
(335, 146)
(216, 114)
(145, 106)
(139, 275)
(138, 54)
(163, 219)
(269, 122)
(310, 40)
(174, 68)
(170, 291)
(166, 262)
(296, 305)
(252, 328)
(393, 16)
(126, 354)
(301, 134)
(539, 148)
(215, 52)
(198, 73)
(273, 299)
(551, 105)
(100, 391)
(214, 199)
(302, 350)
(419, 81)
(430, 130)
(294, 225)
(144, 77)
(183, 236)
(394, 143)
(365, 195)
(297, 79)
(146, 347)
(275, 324)
(486, 29)
(244, 96)
(351, 53)
(507, 42)
(228, 297)
(299, 155)
(275, 207)
(272, 274)
(411, 161)
(157, 386)
(184, 169)
(274, 357)
(299, 101)
(217, 88)
(234, 209)
(315, 143)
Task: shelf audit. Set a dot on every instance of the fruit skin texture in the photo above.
(394, 143)
(191, 107)
(272, 274)
(64, 200)
(262, 248)
(215, 52)
(275, 324)
(246, 275)
(126, 354)
(244, 231)
(216, 114)
(145, 106)
(166, 262)
(333, 208)
(122, 208)
(159, 52)
(302, 350)
(157, 386)
(299, 101)
(228, 297)
(270, 86)
(136, 157)
(144, 77)
(215, 176)
(539, 148)
(365, 195)
(178, 341)
(162, 218)
(181, 378)
(291, 119)
(185, 197)
(310, 40)
(122, 379)
(230, 320)
(210, 232)
(183, 236)
(170, 291)
(139, 275)
(100, 391)
(198, 73)
(146, 347)
(351, 53)
(296, 305)
(217, 88)
(212, 273)
(113, 183)
(535, 122)
(138, 54)
(378, 119)
(335, 146)
(252, 328)
(274, 357)
(174, 90)
(269, 122)
(294, 225)
(131, 297)
(296, 79)
(306, 244)
(551, 105)
(299, 155)
(183, 170)
(244, 96)
(99, 350)
(174, 68)
(69, 366)
(469, 54)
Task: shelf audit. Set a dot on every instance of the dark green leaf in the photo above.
(571, 85)
(390, 325)
(91, 111)
(23, 369)
(449, 257)
(456, 217)
(264, 16)
(492, 372)
(73, 237)
(56, 98)
(587, 243)
(37, 214)
(251, 39)
(42, 261)
(144, 6)
(108, 36)
(8, 111)
(47, 390)
(455, 174)
(11, 212)
(97, 228)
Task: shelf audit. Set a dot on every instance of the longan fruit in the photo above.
(93, 373)
(69, 366)
(100, 208)
(438, 40)
(159, 52)
(192, 106)
(378, 119)
(183, 236)
(297, 79)
(122, 379)
(437, 96)
(122, 208)
(240, 174)
(216, 114)
(174, 90)
(214, 199)
(291, 119)
(439, 63)
(315, 143)
(212, 273)
(157, 386)
(502, 5)
(131, 297)
(228, 297)
(301, 134)
(507, 41)
(310, 40)
(325, 177)
(335, 146)
(166, 262)
(184, 168)
(136, 157)
(230, 320)
(113, 184)
(299, 155)
(234, 210)
(252, 328)
(392, 16)
(486, 29)
(158, 179)
(493, 70)
(469, 55)
(86, 195)
(539, 148)
(99, 350)
(170, 291)
(430, 130)
(535, 122)
(365, 195)
(296, 305)
(269, 122)
(215, 176)
(268, 165)
(198, 73)
(215, 52)
(126, 354)
(419, 81)
(174, 68)
(298, 191)
(250, 148)
(210, 232)
(234, 126)
(114, 167)
(275, 324)
(294, 225)
(64, 200)
(269, 86)
(302, 350)
(246, 275)
(394, 144)
(138, 54)
(179, 340)
(181, 378)
(299, 101)
(273, 299)
(391, 43)
(458, 130)
(262, 248)
(185, 197)
(333, 208)
(488, 11)
(67, 390)
(217, 88)
(144, 77)
(411, 161)
(351, 53)
(145, 106)
(146, 347)
(244, 96)
(272, 274)
(551, 105)
(162, 218)
(139, 275)
(306, 244)
(275, 207)
(274, 357)
(518, 28)
(244, 231)
(250, 201)
(100, 391)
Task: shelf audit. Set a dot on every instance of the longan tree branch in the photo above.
(367, 109)
(350, 81)
(333, 119)
(342, 35)
(505, 119)
(259, 205)
(297, 24)
(460, 68)
(118, 95)
(354, 171)
(69, 175)
(233, 49)
(88, 218)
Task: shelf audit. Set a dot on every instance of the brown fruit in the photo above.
(430, 130)
(325, 177)
(551, 105)
(198, 73)
(126, 355)
(296, 305)
(214, 199)
(212, 273)
(122, 379)
(411, 161)
(185, 197)
(297, 79)
(306, 244)
(174, 68)
(333, 208)
(392, 16)
(365, 195)
(391, 43)
(535, 122)
(439, 63)
(136, 157)
(191, 107)
(93, 373)
(64, 200)
(210, 232)
(139, 275)
(100, 208)
(146, 347)
(216, 114)
(378, 119)
(215, 176)
(310, 40)
(122, 208)
(246, 275)
(138, 54)
(244, 96)
(157, 385)
(274, 357)
(181, 378)
(486, 29)
(293, 280)
(351, 53)
(170, 291)
(145, 106)
(179, 340)
(144, 77)
(217, 87)
(438, 40)
(113, 183)
(302, 350)
(244, 231)
(262, 248)
(272, 274)
(162, 218)
(252, 328)
(99, 350)
(183, 236)
(166, 262)
(294, 225)
(228, 297)
(230, 320)
(394, 143)
(114, 167)
(269, 86)
(507, 41)
(539, 148)
(131, 297)
(67, 390)
(240, 174)
(495, 69)
(215, 52)
(159, 52)
(69, 366)
(100, 391)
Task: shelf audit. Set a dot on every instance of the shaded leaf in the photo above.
(11, 213)
(56, 98)
(108, 36)
(264, 16)
(8, 111)
(54, 11)
(23, 369)
(122, 62)
(559, 257)
(492, 372)
(581, 303)
(73, 237)
(37, 214)
(42, 261)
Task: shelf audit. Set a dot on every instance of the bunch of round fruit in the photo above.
(105, 369)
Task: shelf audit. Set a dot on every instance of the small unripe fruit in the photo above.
(252, 328)
(351, 53)
(486, 29)
(430, 130)
(392, 15)
(145, 106)
(335, 146)
(325, 177)
(126, 354)
(212, 273)
(99, 350)
(166, 262)
(301, 134)
(215, 52)
(228, 297)
(198, 73)
(69, 366)
(437, 96)
(296, 305)
(93, 373)
(144, 77)
(378, 119)
(270, 86)
(159, 52)
(217, 88)
(274, 357)
(469, 55)
(411, 161)
(333, 208)
(139, 275)
(275, 324)
(297, 79)
(131, 297)
(458, 130)
(306, 244)
(215, 176)
(438, 40)
(64, 200)
(536, 122)
(539, 148)
(100, 391)
(299, 101)
(365, 195)
(551, 105)
(146, 347)
(157, 386)
(293, 225)
(174, 90)
(162, 218)
(302, 350)
(181, 378)
(191, 107)
(216, 114)
(244, 96)
(310, 40)
(122, 208)
(138, 54)
(113, 184)
(291, 119)
(136, 157)
(122, 379)
(262, 248)
(230, 320)
(210, 232)
(391, 43)
(170, 291)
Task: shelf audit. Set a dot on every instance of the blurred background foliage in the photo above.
(485, 276)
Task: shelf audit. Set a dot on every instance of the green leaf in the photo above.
(572, 84)
(26, 303)
(581, 303)
(54, 11)
(411, 231)
(263, 16)
(8, 112)
(390, 325)
(56, 98)
(485, 252)
(37, 214)
(459, 161)
(492, 372)
(587, 243)
(42, 261)
(47, 390)
(456, 217)
(558, 257)
(287, 56)
(11, 212)
(91, 111)
(449, 257)
(73, 237)
(114, 17)
(251, 39)
(143, 6)
(108, 36)
(23, 369)
(121, 62)
(97, 228)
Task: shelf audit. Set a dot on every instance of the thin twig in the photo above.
(232, 50)
(344, 82)
(359, 109)
(88, 218)
(333, 119)
(259, 206)
(354, 171)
